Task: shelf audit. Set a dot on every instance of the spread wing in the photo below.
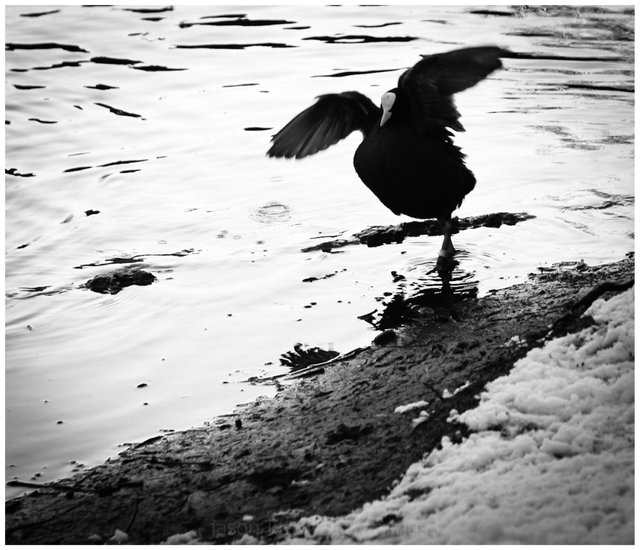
(332, 118)
(431, 83)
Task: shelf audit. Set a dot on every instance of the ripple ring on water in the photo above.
(272, 212)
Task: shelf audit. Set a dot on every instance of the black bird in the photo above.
(407, 157)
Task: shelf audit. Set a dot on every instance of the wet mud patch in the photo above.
(379, 235)
(324, 445)
(114, 282)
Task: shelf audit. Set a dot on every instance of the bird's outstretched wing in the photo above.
(431, 83)
(332, 118)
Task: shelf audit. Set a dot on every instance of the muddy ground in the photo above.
(326, 443)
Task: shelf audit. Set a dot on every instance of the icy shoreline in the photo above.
(550, 461)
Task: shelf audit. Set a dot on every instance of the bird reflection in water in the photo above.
(445, 284)
(433, 293)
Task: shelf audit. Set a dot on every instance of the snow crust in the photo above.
(119, 537)
(551, 460)
(190, 537)
(446, 394)
(401, 409)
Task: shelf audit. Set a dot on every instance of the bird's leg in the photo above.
(447, 250)
(444, 264)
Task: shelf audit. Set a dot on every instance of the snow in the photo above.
(119, 537)
(401, 409)
(550, 461)
(190, 537)
(446, 394)
(422, 417)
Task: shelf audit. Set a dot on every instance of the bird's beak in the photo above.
(386, 115)
(386, 102)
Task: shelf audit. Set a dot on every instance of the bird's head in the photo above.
(387, 101)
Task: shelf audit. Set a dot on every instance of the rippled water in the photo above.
(138, 136)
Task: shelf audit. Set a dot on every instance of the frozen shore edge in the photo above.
(326, 445)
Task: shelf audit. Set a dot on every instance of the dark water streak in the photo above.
(39, 14)
(234, 46)
(12, 46)
(239, 22)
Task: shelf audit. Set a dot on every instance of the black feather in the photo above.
(410, 162)
(332, 118)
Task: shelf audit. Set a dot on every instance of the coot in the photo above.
(407, 157)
